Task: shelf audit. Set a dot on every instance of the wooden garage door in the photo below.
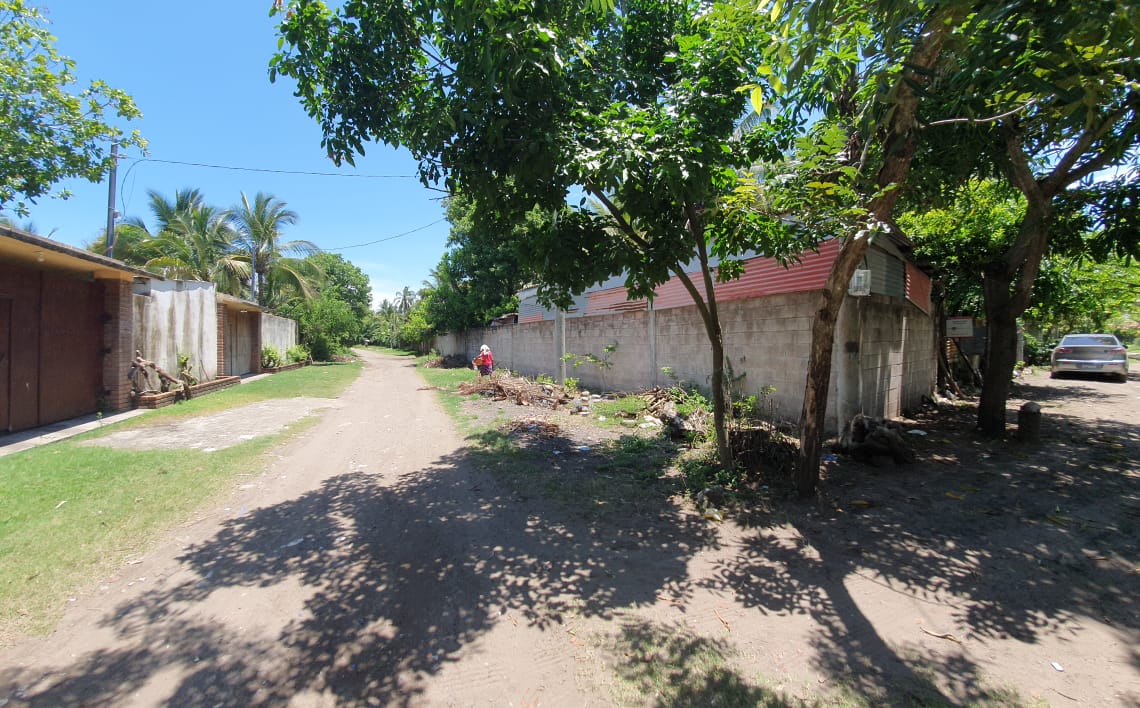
(5, 364)
(71, 336)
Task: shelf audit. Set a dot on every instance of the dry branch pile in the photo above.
(522, 391)
(540, 428)
(764, 453)
(451, 361)
(661, 404)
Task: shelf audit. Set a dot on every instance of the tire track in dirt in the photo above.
(342, 574)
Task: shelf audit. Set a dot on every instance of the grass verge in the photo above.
(74, 512)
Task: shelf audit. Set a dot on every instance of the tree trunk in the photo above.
(1001, 352)
(899, 147)
(1008, 282)
(815, 397)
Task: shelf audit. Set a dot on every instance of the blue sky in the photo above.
(198, 72)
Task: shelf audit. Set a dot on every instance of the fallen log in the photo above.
(140, 365)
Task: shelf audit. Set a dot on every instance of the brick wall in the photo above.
(221, 309)
(118, 330)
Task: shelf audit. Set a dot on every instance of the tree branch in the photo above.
(1066, 172)
(622, 222)
(979, 121)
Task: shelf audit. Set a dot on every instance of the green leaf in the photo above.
(757, 100)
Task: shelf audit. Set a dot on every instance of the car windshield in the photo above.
(1089, 340)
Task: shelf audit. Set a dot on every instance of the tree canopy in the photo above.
(519, 106)
(1043, 95)
(478, 276)
(50, 129)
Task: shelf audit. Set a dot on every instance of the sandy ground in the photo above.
(376, 562)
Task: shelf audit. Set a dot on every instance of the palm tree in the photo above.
(405, 301)
(165, 211)
(197, 244)
(258, 228)
(136, 244)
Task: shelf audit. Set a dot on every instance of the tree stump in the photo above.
(1029, 422)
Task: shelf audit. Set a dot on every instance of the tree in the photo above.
(133, 240)
(49, 131)
(1044, 95)
(513, 104)
(854, 75)
(405, 301)
(325, 323)
(478, 277)
(1079, 295)
(258, 225)
(957, 238)
(197, 244)
(344, 281)
(1078, 286)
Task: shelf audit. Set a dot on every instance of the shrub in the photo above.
(270, 357)
(298, 352)
(1037, 352)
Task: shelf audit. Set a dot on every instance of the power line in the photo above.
(138, 160)
(389, 238)
(266, 169)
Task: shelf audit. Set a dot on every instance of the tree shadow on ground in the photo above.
(1021, 540)
(395, 579)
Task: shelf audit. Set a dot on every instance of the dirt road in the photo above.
(376, 562)
(370, 563)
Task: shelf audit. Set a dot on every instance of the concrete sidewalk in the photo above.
(27, 439)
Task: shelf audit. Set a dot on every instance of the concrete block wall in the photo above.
(530, 349)
(883, 361)
(920, 363)
(630, 363)
(118, 341)
(220, 314)
(886, 350)
(767, 340)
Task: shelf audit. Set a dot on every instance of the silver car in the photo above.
(1090, 354)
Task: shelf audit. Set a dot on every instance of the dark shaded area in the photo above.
(1024, 537)
(380, 608)
(669, 667)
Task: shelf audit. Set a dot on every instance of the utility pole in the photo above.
(110, 251)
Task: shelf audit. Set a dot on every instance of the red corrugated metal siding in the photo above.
(537, 317)
(762, 276)
(611, 300)
(918, 287)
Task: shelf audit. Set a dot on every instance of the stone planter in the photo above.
(160, 400)
(286, 367)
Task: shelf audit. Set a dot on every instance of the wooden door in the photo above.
(5, 365)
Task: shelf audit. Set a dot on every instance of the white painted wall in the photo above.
(175, 317)
(278, 332)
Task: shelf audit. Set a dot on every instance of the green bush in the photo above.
(296, 353)
(270, 357)
(1037, 352)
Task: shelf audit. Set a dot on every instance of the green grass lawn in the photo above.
(74, 512)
